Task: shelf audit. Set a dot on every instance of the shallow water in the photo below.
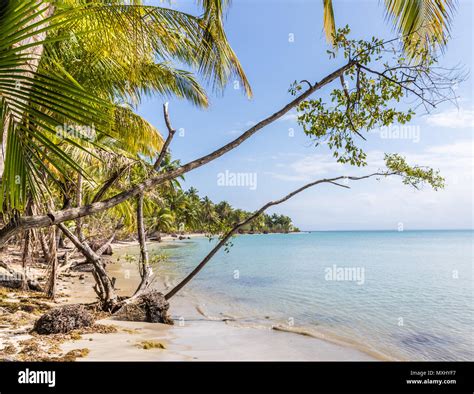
(408, 295)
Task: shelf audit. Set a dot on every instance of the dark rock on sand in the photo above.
(150, 307)
(63, 320)
(155, 236)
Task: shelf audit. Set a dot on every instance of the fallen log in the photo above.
(14, 279)
(13, 282)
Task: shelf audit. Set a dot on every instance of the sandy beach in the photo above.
(196, 335)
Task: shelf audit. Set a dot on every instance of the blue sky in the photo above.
(279, 41)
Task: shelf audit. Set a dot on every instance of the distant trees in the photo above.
(184, 211)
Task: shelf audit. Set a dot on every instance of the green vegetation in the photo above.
(184, 211)
(423, 22)
(81, 164)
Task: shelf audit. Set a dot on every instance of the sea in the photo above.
(404, 295)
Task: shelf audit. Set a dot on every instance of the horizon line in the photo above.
(392, 230)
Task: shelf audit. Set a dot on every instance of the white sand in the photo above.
(208, 340)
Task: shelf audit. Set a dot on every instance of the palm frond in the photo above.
(329, 24)
(422, 22)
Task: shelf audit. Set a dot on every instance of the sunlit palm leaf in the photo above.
(329, 23)
(422, 22)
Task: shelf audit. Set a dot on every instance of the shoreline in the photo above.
(196, 335)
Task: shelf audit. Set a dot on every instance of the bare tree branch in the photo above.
(171, 133)
(258, 212)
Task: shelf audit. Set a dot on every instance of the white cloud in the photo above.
(307, 168)
(453, 119)
(384, 204)
(454, 160)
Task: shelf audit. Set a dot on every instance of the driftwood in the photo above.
(102, 248)
(15, 279)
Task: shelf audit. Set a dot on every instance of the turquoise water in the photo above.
(412, 297)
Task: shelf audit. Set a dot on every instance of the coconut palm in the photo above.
(224, 209)
(208, 215)
(65, 66)
(420, 22)
(160, 219)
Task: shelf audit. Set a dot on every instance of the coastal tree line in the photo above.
(180, 211)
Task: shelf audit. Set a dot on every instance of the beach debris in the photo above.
(98, 244)
(156, 308)
(131, 312)
(150, 307)
(63, 319)
(74, 354)
(151, 345)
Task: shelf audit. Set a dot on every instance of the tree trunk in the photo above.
(145, 269)
(104, 285)
(60, 235)
(53, 264)
(79, 233)
(44, 245)
(25, 257)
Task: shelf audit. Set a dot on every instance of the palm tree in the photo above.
(86, 57)
(420, 22)
(208, 214)
(161, 220)
(224, 209)
(192, 194)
